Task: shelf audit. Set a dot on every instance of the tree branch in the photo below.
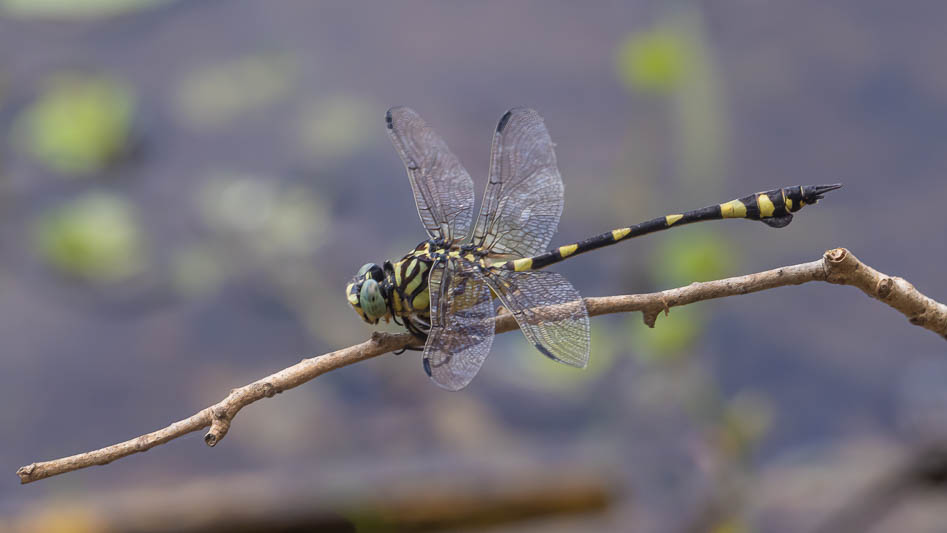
(837, 266)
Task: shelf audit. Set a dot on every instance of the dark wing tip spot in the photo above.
(503, 120)
(388, 119)
(542, 349)
(427, 366)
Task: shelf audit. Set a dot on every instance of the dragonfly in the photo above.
(445, 290)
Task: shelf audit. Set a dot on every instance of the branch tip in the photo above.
(836, 255)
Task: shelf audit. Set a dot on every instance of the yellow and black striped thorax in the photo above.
(408, 279)
(404, 284)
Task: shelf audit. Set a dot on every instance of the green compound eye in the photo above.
(372, 300)
(375, 271)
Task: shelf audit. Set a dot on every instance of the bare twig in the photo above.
(837, 266)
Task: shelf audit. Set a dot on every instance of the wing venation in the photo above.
(524, 196)
(549, 311)
(443, 190)
(462, 326)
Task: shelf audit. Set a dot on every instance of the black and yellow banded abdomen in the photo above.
(775, 208)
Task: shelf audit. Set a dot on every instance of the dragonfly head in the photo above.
(366, 293)
(803, 196)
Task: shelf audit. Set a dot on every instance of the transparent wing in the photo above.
(461, 326)
(549, 310)
(523, 201)
(443, 190)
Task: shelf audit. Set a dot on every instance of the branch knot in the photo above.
(884, 287)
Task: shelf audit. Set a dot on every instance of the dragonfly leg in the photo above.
(418, 328)
(406, 348)
(415, 330)
(418, 334)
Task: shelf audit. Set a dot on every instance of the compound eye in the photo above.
(372, 300)
(375, 272)
(364, 270)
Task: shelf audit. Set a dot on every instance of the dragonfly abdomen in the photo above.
(775, 208)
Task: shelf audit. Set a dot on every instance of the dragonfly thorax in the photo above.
(399, 291)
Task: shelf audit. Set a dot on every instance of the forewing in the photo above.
(462, 326)
(523, 201)
(549, 311)
(443, 190)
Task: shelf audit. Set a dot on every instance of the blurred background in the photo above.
(185, 188)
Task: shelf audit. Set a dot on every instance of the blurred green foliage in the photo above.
(72, 9)
(730, 524)
(672, 337)
(675, 60)
(697, 253)
(336, 126)
(95, 237)
(533, 370)
(79, 124)
(214, 95)
(745, 419)
(270, 219)
(655, 61)
(694, 254)
(196, 270)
